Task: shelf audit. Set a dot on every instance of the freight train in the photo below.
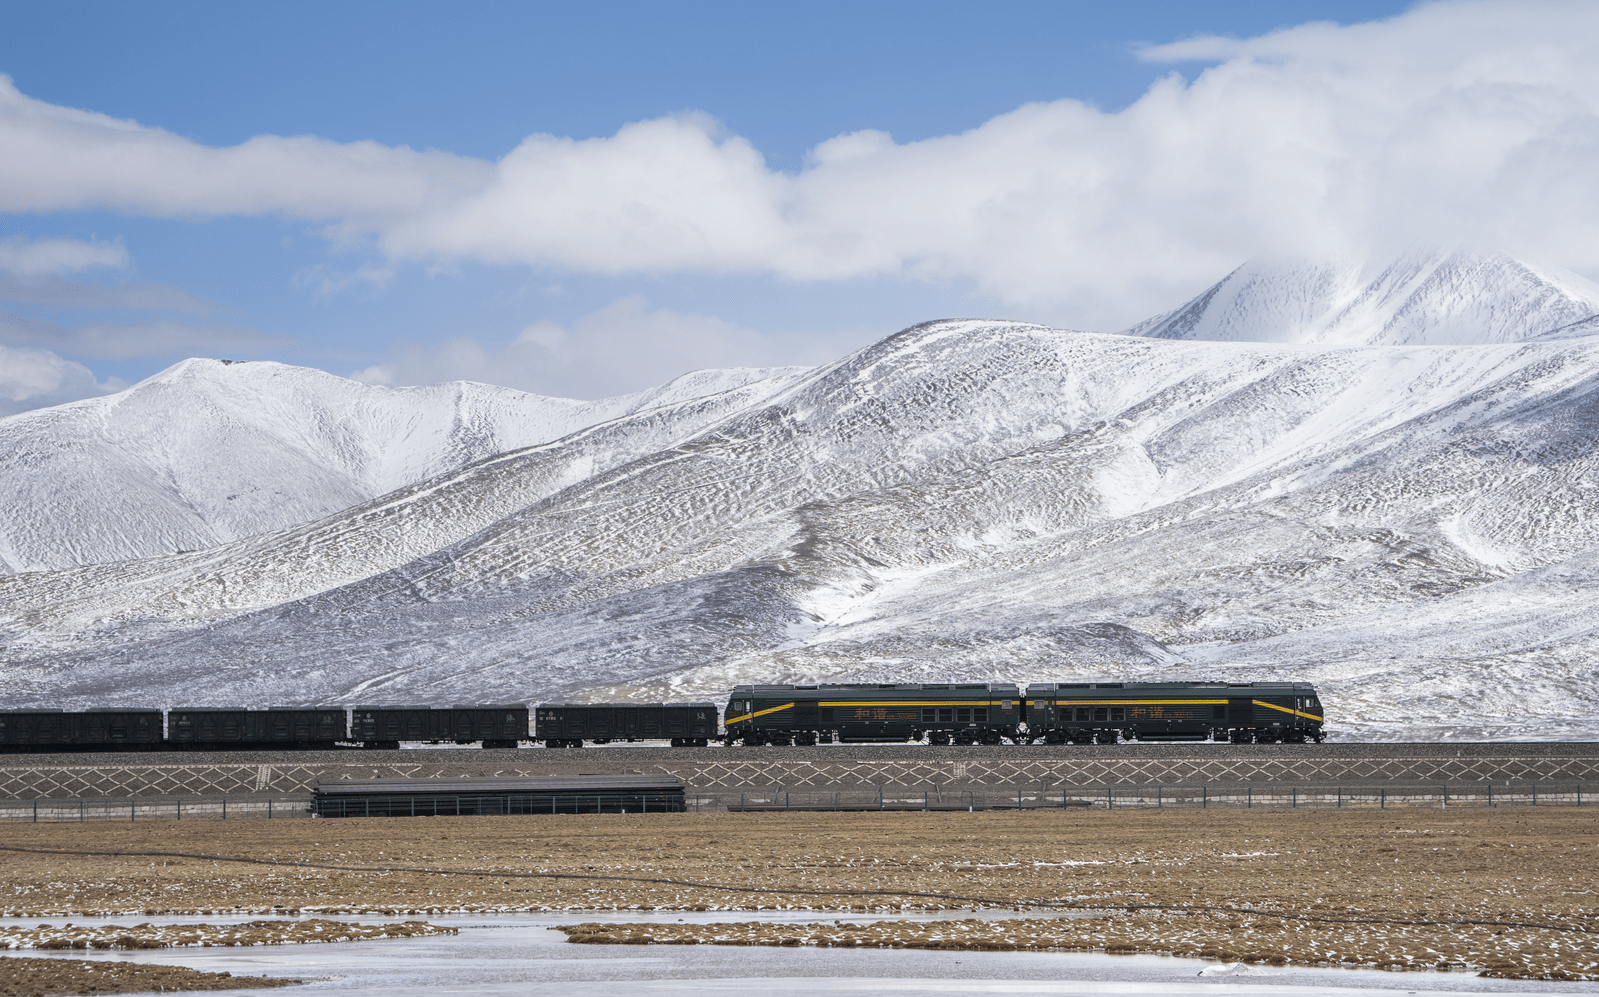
(940, 714)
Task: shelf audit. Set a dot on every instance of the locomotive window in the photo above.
(946, 714)
(1082, 713)
(929, 715)
(963, 715)
(980, 714)
(1118, 713)
(1100, 713)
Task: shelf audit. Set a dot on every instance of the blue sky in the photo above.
(713, 215)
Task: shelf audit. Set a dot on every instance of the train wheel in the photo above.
(1105, 737)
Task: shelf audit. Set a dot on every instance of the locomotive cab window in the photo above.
(1118, 713)
(1101, 713)
(1082, 713)
(963, 714)
(946, 714)
(929, 715)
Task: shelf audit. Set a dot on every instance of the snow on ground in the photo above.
(1412, 527)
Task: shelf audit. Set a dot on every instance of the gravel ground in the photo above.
(28, 977)
(1506, 891)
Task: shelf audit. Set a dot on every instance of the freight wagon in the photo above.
(497, 726)
(86, 730)
(568, 725)
(965, 713)
(210, 728)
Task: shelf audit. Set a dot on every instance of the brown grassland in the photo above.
(1507, 892)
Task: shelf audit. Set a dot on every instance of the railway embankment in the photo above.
(718, 770)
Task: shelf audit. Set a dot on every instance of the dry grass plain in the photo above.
(1508, 892)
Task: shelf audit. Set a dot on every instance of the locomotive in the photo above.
(941, 714)
(1054, 713)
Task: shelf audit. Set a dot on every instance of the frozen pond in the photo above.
(521, 954)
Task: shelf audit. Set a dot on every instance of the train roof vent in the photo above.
(1240, 685)
(935, 687)
(1075, 685)
(1109, 685)
(973, 685)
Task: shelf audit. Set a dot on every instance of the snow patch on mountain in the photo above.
(1420, 299)
(211, 451)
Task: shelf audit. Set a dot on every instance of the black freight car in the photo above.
(568, 725)
(1240, 712)
(211, 728)
(964, 713)
(85, 730)
(497, 726)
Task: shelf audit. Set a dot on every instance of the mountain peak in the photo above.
(1424, 298)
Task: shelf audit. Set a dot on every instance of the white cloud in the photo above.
(1474, 121)
(24, 257)
(33, 378)
(125, 340)
(621, 348)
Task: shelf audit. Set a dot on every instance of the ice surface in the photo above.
(1415, 528)
(521, 954)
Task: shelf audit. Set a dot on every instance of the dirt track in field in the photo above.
(1342, 887)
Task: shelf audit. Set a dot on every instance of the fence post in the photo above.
(1204, 797)
(1110, 801)
(80, 810)
(1160, 798)
(1018, 797)
(224, 806)
(36, 806)
(1340, 796)
(1535, 794)
(1446, 796)
(180, 810)
(1490, 793)
(1382, 798)
(1249, 797)
(1579, 797)
(269, 808)
(1296, 796)
(131, 805)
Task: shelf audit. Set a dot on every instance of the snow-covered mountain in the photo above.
(210, 451)
(1450, 298)
(1414, 528)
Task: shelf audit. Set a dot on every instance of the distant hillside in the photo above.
(211, 451)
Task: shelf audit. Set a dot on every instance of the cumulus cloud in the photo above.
(1454, 122)
(621, 348)
(126, 340)
(33, 378)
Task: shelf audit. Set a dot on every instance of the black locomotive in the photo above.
(956, 713)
